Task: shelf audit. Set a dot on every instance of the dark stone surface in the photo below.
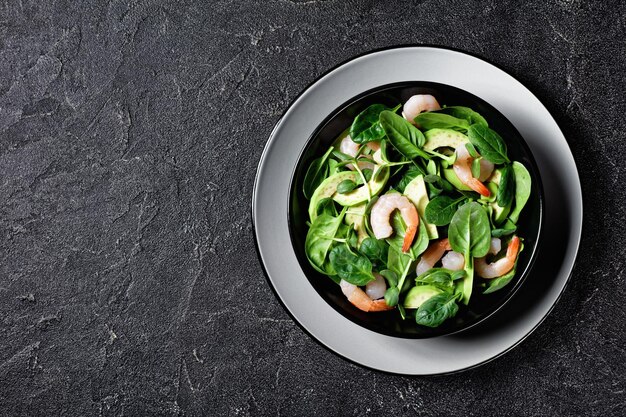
(129, 138)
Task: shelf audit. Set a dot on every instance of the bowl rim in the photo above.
(433, 333)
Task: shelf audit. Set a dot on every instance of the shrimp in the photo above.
(417, 104)
(501, 266)
(463, 170)
(432, 255)
(376, 289)
(361, 300)
(381, 212)
(351, 148)
(454, 261)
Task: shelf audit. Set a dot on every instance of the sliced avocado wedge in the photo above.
(419, 294)
(448, 174)
(327, 188)
(355, 217)
(416, 192)
(444, 138)
(360, 194)
(522, 189)
(500, 213)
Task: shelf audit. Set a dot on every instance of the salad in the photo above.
(414, 208)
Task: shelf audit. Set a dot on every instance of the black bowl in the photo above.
(480, 306)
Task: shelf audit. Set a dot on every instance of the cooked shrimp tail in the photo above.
(432, 255)
(361, 300)
(463, 169)
(501, 266)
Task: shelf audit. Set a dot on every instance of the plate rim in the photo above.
(263, 156)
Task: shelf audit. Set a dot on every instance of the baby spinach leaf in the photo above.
(522, 189)
(439, 277)
(390, 276)
(432, 179)
(433, 120)
(502, 232)
(391, 296)
(366, 127)
(441, 209)
(464, 113)
(400, 263)
(458, 275)
(317, 172)
(353, 268)
(346, 186)
(469, 231)
(367, 173)
(490, 145)
(496, 284)
(319, 239)
(375, 250)
(405, 137)
(506, 189)
(436, 310)
(327, 206)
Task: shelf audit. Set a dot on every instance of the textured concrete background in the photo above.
(129, 138)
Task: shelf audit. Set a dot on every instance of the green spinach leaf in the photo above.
(353, 268)
(391, 296)
(441, 209)
(390, 276)
(506, 189)
(469, 231)
(366, 127)
(346, 186)
(375, 250)
(405, 137)
(317, 172)
(436, 310)
(490, 145)
(522, 189)
(439, 277)
(433, 120)
(466, 113)
(319, 239)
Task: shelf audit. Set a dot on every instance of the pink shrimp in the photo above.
(432, 255)
(381, 212)
(463, 170)
(361, 300)
(501, 266)
(351, 148)
(417, 104)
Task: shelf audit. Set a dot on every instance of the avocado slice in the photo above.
(360, 194)
(355, 217)
(419, 294)
(500, 213)
(327, 188)
(416, 192)
(444, 138)
(448, 174)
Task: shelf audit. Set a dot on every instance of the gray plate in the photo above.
(563, 212)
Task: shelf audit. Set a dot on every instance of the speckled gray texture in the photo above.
(129, 138)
